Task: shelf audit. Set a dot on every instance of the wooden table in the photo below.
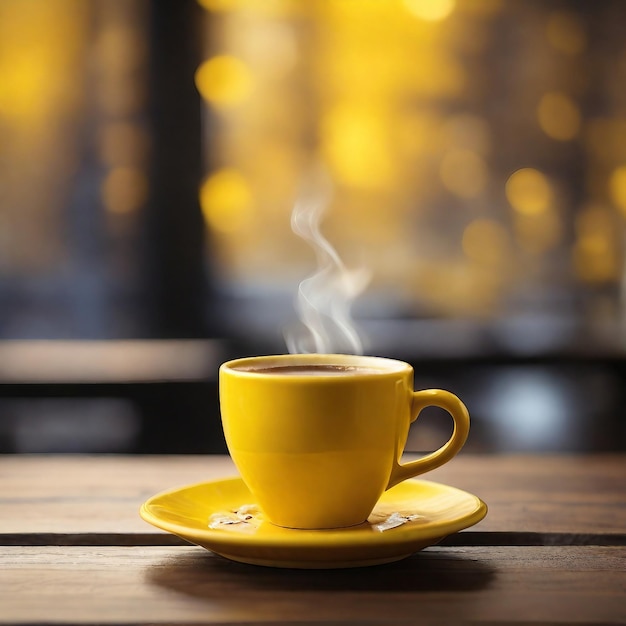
(552, 550)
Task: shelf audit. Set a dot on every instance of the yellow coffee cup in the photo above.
(318, 438)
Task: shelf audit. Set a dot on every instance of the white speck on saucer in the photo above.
(246, 519)
(394, 520)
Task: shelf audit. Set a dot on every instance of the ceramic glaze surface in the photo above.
(319, 450)
(427, 511)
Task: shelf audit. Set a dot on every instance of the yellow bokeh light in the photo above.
(559, 116)
(566, 32)
(23, 84)
(224, 81)
(617, 186)
(124, 190)
(431, 10)
(41, 56)
(226, 201)
(486, 241)
(464, 173)
(528, 191)
(355, 144)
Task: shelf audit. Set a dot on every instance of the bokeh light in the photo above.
(528, 191)
(226, 201)
(425, 137)
(356, 145)
(39, 63)
(559, 116)
(430, 10)
(224, 81)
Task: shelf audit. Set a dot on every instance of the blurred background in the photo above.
(151, 154)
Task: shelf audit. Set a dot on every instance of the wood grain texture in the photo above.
(559, 495)
(189, 585)
(544, 493)
(76, 551)
(92, 494)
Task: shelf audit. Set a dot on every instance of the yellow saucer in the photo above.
(221, 516)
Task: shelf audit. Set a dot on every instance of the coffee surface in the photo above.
(312, 370)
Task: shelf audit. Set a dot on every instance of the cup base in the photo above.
(316, 527)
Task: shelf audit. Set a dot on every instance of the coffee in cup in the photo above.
(318, 438)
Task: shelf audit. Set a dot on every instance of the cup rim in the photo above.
(380, 366)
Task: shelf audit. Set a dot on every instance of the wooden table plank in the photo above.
(92, 494)
(525, 494)
(572, 585)
(544, 493)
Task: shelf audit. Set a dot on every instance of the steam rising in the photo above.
(324, 299)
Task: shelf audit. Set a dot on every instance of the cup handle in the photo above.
(449, 402)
